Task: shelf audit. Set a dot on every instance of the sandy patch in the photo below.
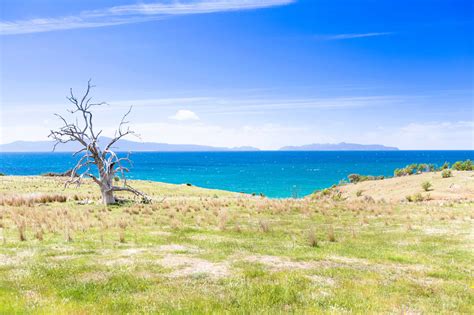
(177, 248)
(6, 260)
(62, 257)
(95, 276)
(279, 263)
(456, 188)
(119, 262)
(322, 281)
(437, 231)
(160, 233)
(189, 266)
(131, 251)
(363, 264)
(33, 297)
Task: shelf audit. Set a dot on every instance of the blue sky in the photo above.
(265, 73)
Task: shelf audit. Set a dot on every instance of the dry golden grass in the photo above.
(458, 187)
(228, 252)
(30, 199)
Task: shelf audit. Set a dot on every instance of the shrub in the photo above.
(411, 169)
(426, 186)
(359, 193)
(422, 168)
(445, 166)
(463, 166)
(2, 174)
(399, 172)
(414, 169)
(467, 165)
(446, 173)
(337, 196)
(415, 198)
(354, 178)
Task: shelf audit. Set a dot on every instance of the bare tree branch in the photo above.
(105, 162)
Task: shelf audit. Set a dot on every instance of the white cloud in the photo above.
(134, 13)
(184, 115)
(352, 35)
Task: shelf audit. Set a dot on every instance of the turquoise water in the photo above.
(275, 174)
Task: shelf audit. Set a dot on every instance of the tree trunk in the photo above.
(108, 197)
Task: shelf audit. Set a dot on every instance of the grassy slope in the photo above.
(211, 251)
(458, 187)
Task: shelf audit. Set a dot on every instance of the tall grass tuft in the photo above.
(223, 219)
(331, 236)
(123, 227)
(312, 238)
(21, 226)
(264, 225)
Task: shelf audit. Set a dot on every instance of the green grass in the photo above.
(183, 255)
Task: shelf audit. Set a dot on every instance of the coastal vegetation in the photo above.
(423, 168)
(195, 250)
(463, 166)
(413, 169)
(426, 186)
(355, 178)
(445, 173)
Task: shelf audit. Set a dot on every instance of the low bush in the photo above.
(445, 166)
(414, 169)
(426, 186)
(67, 173)
(355, 178)
(446, 173)
(463, 166)
(418, 197)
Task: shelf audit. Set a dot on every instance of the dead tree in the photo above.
(101, 164)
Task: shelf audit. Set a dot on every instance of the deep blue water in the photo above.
(276, 174)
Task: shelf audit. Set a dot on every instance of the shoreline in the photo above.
(386, 189)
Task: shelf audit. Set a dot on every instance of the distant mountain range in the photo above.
(121, 145)
(126, 145)
(339, 147)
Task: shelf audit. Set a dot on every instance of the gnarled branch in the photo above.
(106, 162)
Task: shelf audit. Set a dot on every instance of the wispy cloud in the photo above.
(184, 115)
(134, 13)
(238, 104)
(352, 35)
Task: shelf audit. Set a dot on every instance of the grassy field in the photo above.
(203, 251)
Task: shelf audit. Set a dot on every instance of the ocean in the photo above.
(276, 174)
